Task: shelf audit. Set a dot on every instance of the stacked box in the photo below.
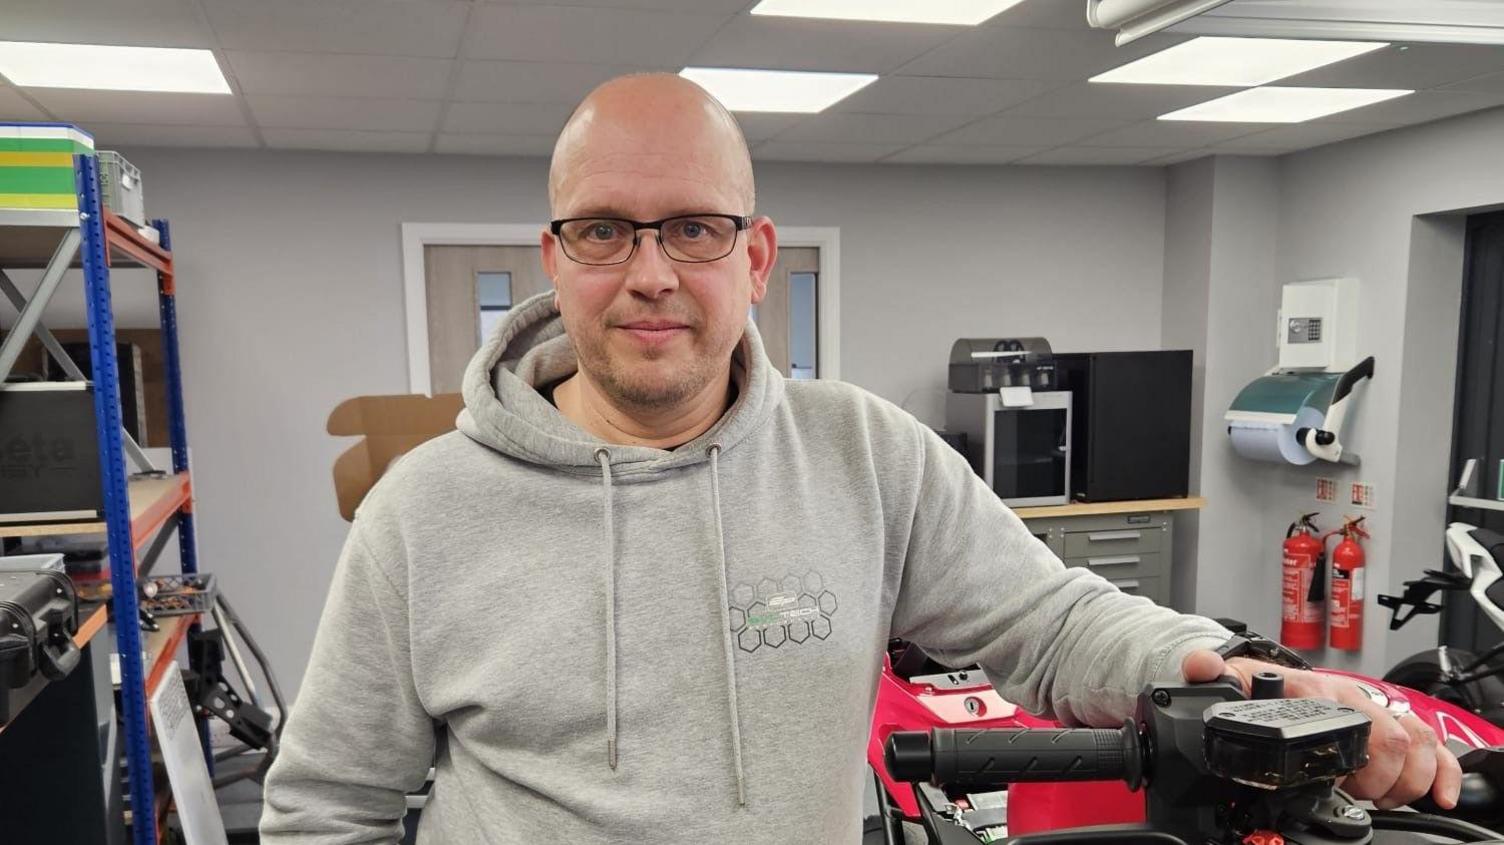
(36, 164)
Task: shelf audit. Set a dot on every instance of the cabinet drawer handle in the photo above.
(1104, 536)
(1113, 561)
(1126, 586)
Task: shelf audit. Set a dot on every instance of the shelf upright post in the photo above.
(116, 500)
(177, 424)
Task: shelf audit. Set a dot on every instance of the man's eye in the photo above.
(692, 229)
(601, 232)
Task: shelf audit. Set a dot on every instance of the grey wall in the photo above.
(1386, 210)
(290, 296)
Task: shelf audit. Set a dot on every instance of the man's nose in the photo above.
(650, 273)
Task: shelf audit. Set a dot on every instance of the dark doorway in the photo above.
(1478, 419)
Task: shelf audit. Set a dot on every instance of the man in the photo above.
(642, 594)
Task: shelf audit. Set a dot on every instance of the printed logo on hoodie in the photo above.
(794, 609)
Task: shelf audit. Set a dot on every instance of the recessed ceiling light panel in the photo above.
(959, 12)
(112, 68)
(1234, 61)
(1283, 105)
(776, 90)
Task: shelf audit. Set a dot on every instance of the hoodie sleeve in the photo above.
(977, 587)
(358, 738)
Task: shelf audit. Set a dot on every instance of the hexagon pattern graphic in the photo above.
(794, 610)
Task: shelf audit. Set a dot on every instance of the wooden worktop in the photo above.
(1102, 508)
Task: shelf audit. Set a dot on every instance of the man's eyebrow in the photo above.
(618, 214)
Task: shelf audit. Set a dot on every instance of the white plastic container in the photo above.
(120, 187)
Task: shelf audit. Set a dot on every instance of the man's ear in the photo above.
(762, 250)
(550, 257)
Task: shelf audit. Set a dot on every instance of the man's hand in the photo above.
(1404, 759)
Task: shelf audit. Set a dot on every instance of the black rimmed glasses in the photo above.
(688, 238)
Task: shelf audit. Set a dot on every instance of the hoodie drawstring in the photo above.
(604, 457)
(724, 602)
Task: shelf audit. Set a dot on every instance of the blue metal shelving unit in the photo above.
(104, 236)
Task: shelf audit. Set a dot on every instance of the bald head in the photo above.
(652, 123)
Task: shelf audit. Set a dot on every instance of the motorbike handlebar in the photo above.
(993, 757)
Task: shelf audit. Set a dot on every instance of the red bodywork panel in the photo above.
(1034, 807)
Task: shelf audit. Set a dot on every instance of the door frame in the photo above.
(416, 236)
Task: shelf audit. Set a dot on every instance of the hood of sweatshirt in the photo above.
(505, 411)
(528, 349)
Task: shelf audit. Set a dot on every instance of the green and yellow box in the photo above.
(36, 164)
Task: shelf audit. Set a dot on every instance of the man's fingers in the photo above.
(1419, 773)
(1388, 745)
(1202, 666)
(1448, 778)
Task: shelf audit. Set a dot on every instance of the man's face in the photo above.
(653, 332)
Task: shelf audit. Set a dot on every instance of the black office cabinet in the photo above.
(1131, 431)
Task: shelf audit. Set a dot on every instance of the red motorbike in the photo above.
(918, 697)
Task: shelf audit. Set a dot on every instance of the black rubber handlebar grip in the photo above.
(1013, 755)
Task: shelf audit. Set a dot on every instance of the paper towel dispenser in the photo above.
(1295, 418)
(1295, 412)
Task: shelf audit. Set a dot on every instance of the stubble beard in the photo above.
(643, 383)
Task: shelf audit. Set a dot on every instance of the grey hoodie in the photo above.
(603, 643)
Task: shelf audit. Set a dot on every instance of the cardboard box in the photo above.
(390, 426)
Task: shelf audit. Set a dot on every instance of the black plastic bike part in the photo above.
(1261, 648)
(1481, 799)
(1105, 835)
(1417, 596)
(990, 758)
(885, 812)
(1284, 743)
(1268, 685)
(212, 694)
(1408, 822)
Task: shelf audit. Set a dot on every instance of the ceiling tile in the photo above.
(937, 154)
(729, 7)
(379, 114)
(1030, 131)
(1297, 136)
(15, 107)
(128, 23)
(1489, 82)
(1177, 158)
(498, 145)
(339, 139)
(386, 27)
(1021, 53)
(88, 106)
(1128, 102)
(581, 34)
(1050, 14)
(941, 95)
(806, 151)
(1172, 133)
(1097, 155)
(1412, 66)
(339, 74)
(810, 44)
(507, 118)
(871, 128)
(760, 126)
(1420, 107)
(110, 135)
(531, 82)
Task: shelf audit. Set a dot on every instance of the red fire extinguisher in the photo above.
(1347, 587)
(1303, 606)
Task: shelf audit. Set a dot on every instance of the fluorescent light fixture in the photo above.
(777, 90)
(1283, 105)
(1241, 62)
(41, 65)
(960, 12)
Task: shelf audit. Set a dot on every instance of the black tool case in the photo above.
(38, 618)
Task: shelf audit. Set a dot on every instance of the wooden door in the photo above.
(786, 317)
(467, 287)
